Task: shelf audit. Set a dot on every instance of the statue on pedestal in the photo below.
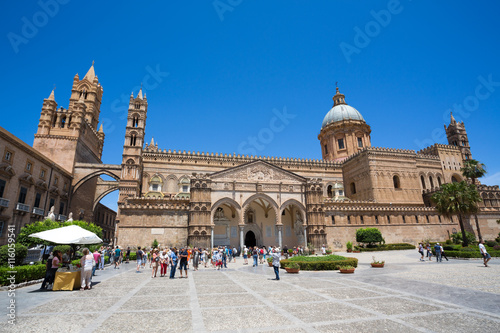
(51, 215)
(70, 217)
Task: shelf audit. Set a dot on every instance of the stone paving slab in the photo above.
(405, 296)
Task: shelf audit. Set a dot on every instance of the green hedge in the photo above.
(469, 254)
(323, 263)
(18, 250)
(24, 273)
(388, 247)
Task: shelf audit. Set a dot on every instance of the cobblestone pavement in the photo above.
(406, 295)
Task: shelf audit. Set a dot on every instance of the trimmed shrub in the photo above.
(496, 248)
(369, 235)
(24, 273)
(389, 247)
(470, 254)
(323, 263)
(491, 243)
(18, 250)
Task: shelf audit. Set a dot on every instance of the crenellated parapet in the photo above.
(160, 203)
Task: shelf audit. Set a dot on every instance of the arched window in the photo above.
(135, 121)
(353, 188)
(63, 121)
(439, 181)
(423, 182)
(348, 219)
(155, 184)
(376, 219)
(396, 182)
(404, 219)
(333, 219)
(388, 219)
(137, 106)
(431, 181)
(454, 179)
(362, 220)
(416, 218)
(184, 185)
(133, 140)
(329, 191)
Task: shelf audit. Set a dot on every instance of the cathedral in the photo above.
(210, 199)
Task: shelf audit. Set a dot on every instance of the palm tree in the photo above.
(457, 199)
(473, 170)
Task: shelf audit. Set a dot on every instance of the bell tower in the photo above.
(70, 135)
(130, 183)
(457, 136)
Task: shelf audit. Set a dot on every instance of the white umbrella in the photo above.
(71, 234)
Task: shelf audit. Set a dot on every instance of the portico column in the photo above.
(305, 236)
(280, 240)
(241, 238)
(212, 238)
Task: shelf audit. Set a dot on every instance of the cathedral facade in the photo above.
(205, 199)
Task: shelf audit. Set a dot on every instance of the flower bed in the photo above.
(323, 263)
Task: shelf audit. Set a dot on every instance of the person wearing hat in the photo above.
(437, 249)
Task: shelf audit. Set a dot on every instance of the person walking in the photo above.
(429, 251)
(183, 255)
(103, 253)
(421, 251)
(196, 258)
(173, 262)
(245, 255)
(443, 254)
(127, 257)
(87, 262)
(255, 255)
(437, 249)
(163, 262)
(276, 255)
(155, 263)
(97, 259)
(117, 257)
(139, 255)
(485, 254)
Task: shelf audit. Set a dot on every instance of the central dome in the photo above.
(341, 112)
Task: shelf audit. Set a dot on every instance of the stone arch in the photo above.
(265, 197)
(225, 201)
(289, 202)
(105, 193)
(456, 178)
(92, 175)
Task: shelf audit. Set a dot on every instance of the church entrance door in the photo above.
(250, 240)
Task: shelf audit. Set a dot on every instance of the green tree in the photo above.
(19, 251)
(369, 235)
(155, 244)
(458, 199)
(473, 170)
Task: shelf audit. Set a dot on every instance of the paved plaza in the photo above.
(406, 295)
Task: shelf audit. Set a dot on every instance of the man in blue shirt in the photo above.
(173, 262)
(437, 249)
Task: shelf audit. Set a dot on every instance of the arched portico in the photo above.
(225, 217)
(294, 223)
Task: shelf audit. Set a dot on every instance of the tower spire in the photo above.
(338, 98)
(51, 97)
(91, 73)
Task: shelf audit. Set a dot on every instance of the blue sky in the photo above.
(217, 72)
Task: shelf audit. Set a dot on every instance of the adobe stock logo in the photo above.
(372, 29)
(266, 135)
(30, 28)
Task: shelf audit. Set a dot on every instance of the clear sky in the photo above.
(216, 73)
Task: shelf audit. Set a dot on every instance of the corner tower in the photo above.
(130, 183)
(344, 131)
(70, 135)
(457, 136)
